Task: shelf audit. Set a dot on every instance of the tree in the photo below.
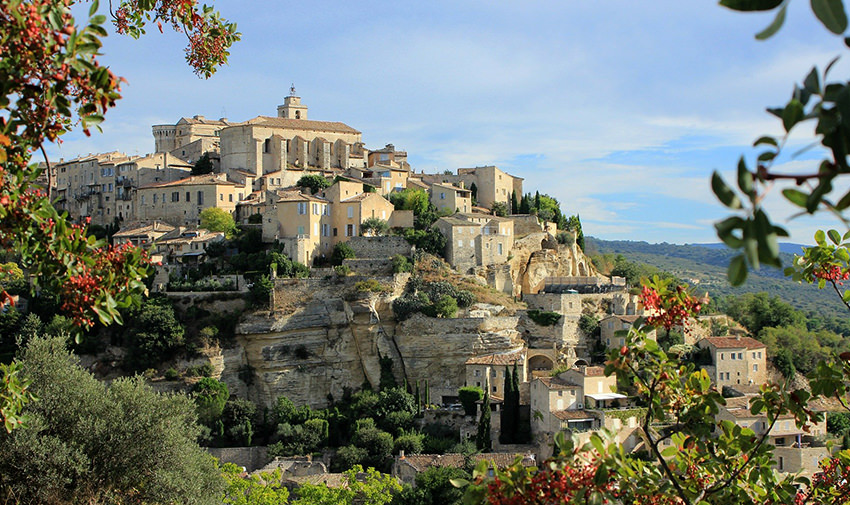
(374, 227)
(446, 307)
(135, 444)
(514, 203)
(51, 75)
(430, 241)
(210, 396)
(342, 251)
(509, 413)
(154, 335)
(483, 441)
(314, 182)
(361, 486)
(215, 219)
(468, 396)
(263, 489)
(203, 166)
(500, 209)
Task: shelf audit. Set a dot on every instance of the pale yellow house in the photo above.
(302, 223)
(447, 197)
(737, 360)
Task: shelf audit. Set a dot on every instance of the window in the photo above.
(500, 248)
(110, 187)
(175, 196)
(240, 197)
(349, 230)
(266, 145)
(460, 243)
(155, 198)
(335, 232)
(302, 208)
(221, 197)
(316, 229)
(315, 209)
(143, 199)
(721, 355)
(200, 197)
(350, 211)
(493, 374)
(326, 228)
(301, 230)
(326, 210)
(442, 196)
(187, 197)
(740, 355)
(230, 197)
(733, 355)
(759, 354)
(755, 367)
(478, 373)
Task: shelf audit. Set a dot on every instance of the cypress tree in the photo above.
(427, 394)
(474, 189)
(522, 431)
(508, 420)
(524, 207)
(514, 204)
(482, 438)
(537, 200)
(418, 399)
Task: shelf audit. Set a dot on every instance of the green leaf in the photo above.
(795, 196)
(812, 82)
(94, 6)
(820, 237)
(834, 236)
(844, 202)
(745, 178)
(737, 272)
(831, 14)
(459, 483)
(726, 196)
(751, 5)
(792, 114)
(773, 27)
(766, 140)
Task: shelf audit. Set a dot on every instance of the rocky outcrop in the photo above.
(538, 255)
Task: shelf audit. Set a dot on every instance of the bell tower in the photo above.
(292, 108)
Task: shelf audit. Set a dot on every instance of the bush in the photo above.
(544, 318)
(342, 251)
(405, 306)
(566, 238)
(205, 370)
(468, 396)
(784, 363)
(370, 286)
(410, 443)
(255, 219)
(402, 264)
(397, 422)
(210, 397)
(155, 334)
(261, 290)
(374, 226)
(172, 374)
(446, 307)
(348, 456)
(342, 270)
(589, 325)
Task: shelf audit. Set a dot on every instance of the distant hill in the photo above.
(784, 247)
(704, 266)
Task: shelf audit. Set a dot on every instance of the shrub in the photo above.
(255, 219)
(410, 443)
(172, 374)
(374, 226)
(468, 396)
(348, 456)
(371, 286)
(589, 325)
(405, 306)
(402, 264)
(205, 370)
(210, 397)
(465, 298)
(544, 318)
(446, 307)
(342, 270)
(566, 238)
(342, 251)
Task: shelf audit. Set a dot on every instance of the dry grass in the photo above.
(431, 269)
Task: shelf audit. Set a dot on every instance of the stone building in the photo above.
(85, 187)
(180, 203)
(736, 360)
(795, 449)
(190, 137)
(490, 369)
(474, 240)
(388, 156)
(447, 197)
(491, 184)
(302, 222)
(612, 324)
(143, 235)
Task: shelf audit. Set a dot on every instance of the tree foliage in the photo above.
(203, 166)
(87, 442)
(313, 182)
(468, 396)
(374, 227)
(216, 219)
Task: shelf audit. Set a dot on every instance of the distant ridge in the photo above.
(785, 247)
(704, 266)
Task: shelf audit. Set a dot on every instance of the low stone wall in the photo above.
(379, 247)
(252, 458)
(369, 266)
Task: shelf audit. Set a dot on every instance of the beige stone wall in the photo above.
(181, 205)
(562, 303)
(749, 366)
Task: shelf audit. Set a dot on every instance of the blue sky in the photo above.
(619, 109)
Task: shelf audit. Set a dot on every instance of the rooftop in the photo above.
(507, 358)
(301, 124)
(735, 343)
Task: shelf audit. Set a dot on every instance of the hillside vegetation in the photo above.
(705, 268)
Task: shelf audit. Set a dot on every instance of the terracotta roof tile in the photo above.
(302, 124)
(195, 180)
(735, 343)
(572, 415)
(507, 358)
(421, 462)
(558, 383)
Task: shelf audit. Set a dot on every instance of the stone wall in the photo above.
(369, 266)
(525, 224)
(379, 247)
(252, 458)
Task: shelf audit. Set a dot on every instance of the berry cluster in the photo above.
(669, 308)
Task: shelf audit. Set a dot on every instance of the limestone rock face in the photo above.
(437, 349)
(538, 255)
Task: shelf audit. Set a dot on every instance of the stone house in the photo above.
(490, 370)
(610, 325)
(180, 202)
(736, 360)
(143, 235)
(144, 171)
(491, 184)
(446, 197)
(474, 240)
(189, 247)
(388, 156)
(302, 222)
(190, 137)
(796, 450)
(85, 187)
(405, 468)
(384, 178)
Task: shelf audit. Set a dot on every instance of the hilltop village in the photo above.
(488, 290)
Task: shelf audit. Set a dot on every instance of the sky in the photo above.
(619, 109)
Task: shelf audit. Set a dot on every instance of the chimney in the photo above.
(401, 454)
